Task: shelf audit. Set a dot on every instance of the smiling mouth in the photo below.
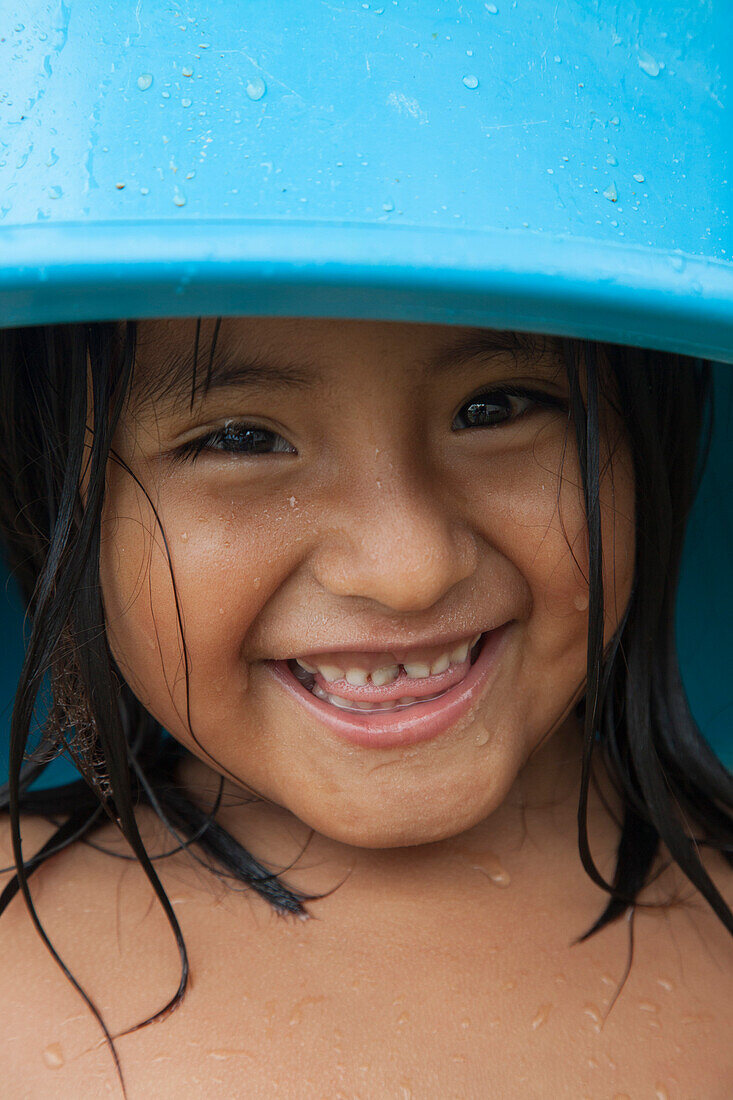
(392, 687)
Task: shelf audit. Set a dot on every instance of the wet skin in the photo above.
(376, 518)
(433, 970)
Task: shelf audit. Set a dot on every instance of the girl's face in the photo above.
(367, 499)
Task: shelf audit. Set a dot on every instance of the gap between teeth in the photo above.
(359, 677)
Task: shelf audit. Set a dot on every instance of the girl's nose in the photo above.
(402, 550)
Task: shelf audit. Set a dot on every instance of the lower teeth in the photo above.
(349, 704)
(308, 682)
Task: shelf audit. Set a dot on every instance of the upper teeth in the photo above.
(415, 670)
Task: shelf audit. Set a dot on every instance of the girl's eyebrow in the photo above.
(234, 369)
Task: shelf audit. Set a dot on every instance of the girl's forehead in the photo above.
(172, 353)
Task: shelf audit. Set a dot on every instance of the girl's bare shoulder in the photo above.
(457, 986)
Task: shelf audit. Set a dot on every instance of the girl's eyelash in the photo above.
(492, 408)
(236, 437)
(488, 408)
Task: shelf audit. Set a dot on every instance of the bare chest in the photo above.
(452, 986)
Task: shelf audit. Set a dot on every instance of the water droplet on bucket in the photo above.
(55, 192)
(120, 186)
(388, 206)
(144, 81)
(178, 198)
(648, 64)
(144, 190)
(614, 121)
(492, 9)
(256, 88)
(185, 103)
(557, 59)
(611, 159)
(186, 71)
(638, 177)
(677, 262)
(470, 81)
(611, 193)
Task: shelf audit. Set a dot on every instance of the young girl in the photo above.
(360, 630)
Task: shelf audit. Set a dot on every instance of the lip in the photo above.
(419, 722)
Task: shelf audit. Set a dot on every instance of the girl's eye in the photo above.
(237, 438)
(495, 407)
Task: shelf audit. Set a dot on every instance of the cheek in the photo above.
(533, 513)
(225, 571)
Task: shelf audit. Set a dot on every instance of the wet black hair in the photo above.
(635, 715)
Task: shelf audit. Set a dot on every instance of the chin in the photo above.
(385, 830)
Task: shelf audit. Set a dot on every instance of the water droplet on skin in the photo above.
(665, 984)
(540, 1017)
(611, 159)
(53, 1056)
(256, 88)
(611, 193)
(594, 1016)
(648, 1006)
(256, 582)
(292, 502)
(178, 198)
(581, 602)
(471, 81)
(648, 64)
(483, 737)
(488, 864)
(184, 536)
(492, 9)
(186, 71)
(144, 81)
(660, 1092)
